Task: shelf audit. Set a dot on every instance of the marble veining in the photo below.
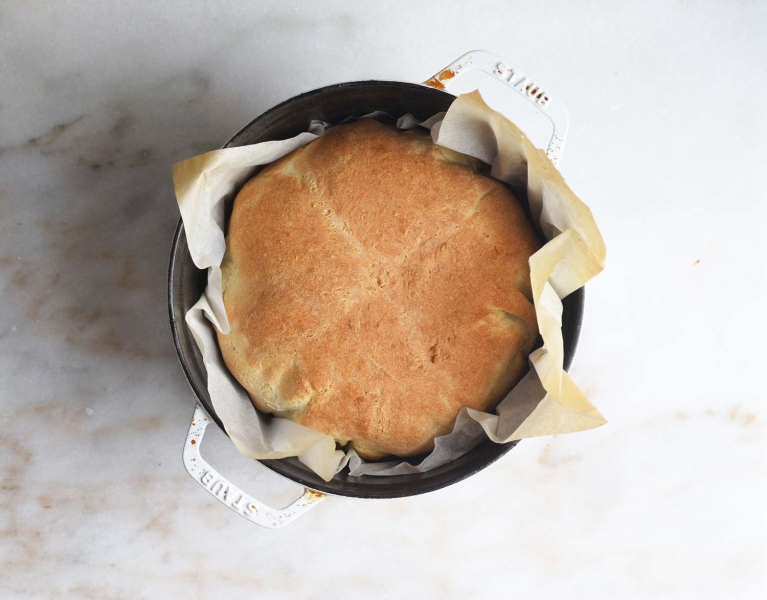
(666, 501)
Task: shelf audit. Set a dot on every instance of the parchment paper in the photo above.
(545, 402)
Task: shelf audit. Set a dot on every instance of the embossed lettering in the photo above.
(220, 485)
(519, 77)
(504, 73)
(206, 478)
(237, 503)
(251, 509)
(523, 84)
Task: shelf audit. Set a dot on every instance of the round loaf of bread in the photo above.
(375, 285)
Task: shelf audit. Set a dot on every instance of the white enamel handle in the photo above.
(229, 495)
(514, 78)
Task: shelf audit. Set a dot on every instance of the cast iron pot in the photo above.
(186, 282)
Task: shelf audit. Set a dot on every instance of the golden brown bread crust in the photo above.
(375, 284)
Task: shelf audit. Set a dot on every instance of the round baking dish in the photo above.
(186, 282)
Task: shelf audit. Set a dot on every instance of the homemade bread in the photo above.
(375, 285)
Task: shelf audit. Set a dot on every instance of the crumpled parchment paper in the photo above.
(545, 402)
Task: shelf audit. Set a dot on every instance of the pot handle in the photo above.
(229, 495)
(514, 78)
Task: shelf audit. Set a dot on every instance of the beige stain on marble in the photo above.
(97, 592)
(37, 537)
(734, 414)
(91, 330)
(31, 511)
(111, 342)
(97, 325)
(738, 416)
(130, 277)
(24, 538)
(131, 427)
(549, 457)
(68, 420)
(18, 279)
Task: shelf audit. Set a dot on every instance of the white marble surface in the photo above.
(98, 99)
